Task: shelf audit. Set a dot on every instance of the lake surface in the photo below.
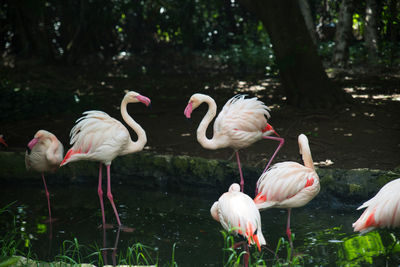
(161, 219)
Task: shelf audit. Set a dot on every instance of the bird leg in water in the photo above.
(100, 193)
(240, 172)
(281, 142)
(48, 196)
(289, 233)
(110, 196)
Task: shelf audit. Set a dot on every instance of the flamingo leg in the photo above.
(100, 193)
(110, 196)
(246, 255)
(281, 142)
(240, 172)
(288, 231)
(47, 196)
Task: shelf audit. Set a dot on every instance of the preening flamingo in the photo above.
(2, 141)
(237, 211)
(289, 184)
(383, 210)
(44, 154)
(99, 137)
(240, 123)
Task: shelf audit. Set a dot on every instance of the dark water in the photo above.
(160, 219)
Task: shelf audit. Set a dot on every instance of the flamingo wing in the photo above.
(240, 115)
(238, 211)
(282, 182)
(97, 136)
(383, 210)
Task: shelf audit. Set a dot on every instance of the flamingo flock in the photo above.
(242, 121)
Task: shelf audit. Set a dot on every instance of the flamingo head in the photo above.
(39, 135)
(214, 211)
(268, 130)
(234, 188)
(194, 101)
(2, 141)
(133, 97)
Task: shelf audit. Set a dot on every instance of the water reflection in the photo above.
(159, 220)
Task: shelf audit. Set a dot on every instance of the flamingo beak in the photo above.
(32, 143)
(188, 110)
(144, 100)
(2, 141)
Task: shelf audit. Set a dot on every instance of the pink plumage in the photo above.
(44, 154)
(99, 137)
(383, 210)
(237, 211)
(289, 184)
(240, 123)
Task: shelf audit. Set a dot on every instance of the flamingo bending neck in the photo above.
(137, 145)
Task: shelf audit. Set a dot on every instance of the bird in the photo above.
(241, 122)
(2, 141)
(383, 210)
(44, 153)
(98, 137)
(237, 212)
(289, 184)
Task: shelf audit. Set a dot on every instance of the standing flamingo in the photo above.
(289, 184)
(236, 211)
(383, 210)
(99, 137)
(2, 141)
(240, 123)
(44, 154)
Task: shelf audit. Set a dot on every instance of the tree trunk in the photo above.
(343, 33)
(300, 68)
(371, 31)
(306, 11)
(393, 29)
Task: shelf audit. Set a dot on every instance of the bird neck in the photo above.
(201, 130)
(306, 155)
(137, 145)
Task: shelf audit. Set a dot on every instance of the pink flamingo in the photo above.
(2, 141)
(383, 210)
(99, 137)
(240, 123)
(44, 154)
(237, 212)
(289, 184)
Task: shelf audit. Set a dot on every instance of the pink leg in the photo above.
(47, 195)
(110, 196)
(288, 231)
(246, 255)
(240, 172)
(100, 193)
(281, 142)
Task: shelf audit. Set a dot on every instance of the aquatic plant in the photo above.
(233, 257)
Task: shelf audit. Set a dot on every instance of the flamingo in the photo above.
(240, 123)
(2, 141)
(289, 184)
(99, 137)
(237, 212)
(383, 210)
(44, 154)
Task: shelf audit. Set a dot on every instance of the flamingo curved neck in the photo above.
(306, 155)
(142, 139)
(201, 130)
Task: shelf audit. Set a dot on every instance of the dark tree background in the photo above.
(239, 37)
